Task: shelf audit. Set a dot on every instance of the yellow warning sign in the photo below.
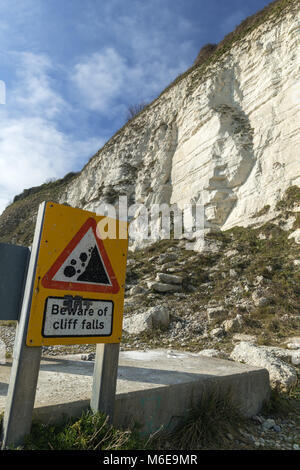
(78, 292)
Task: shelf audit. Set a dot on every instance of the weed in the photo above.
(208, 423)
(134, 109)
(283, 404)
(205, 53)
(291, 198)
(9, 323)
(91, 432)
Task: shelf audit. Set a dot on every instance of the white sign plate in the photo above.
(77, 316)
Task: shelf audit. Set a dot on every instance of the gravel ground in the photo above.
(266, 432)
(7, 336)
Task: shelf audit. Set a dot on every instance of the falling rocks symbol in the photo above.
(94, 272)
(83, 264)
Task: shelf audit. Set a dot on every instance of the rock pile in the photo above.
(166, 283)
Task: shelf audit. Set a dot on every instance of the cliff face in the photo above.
(226, 136)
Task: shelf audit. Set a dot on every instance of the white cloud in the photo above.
(26, 159)
(107, 82)
(100, 78)
(32, 146)
(142, 48)
(34, 91)
(132, 50)
(15, 17)
(32, 151)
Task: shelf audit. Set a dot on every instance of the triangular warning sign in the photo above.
(83, 265)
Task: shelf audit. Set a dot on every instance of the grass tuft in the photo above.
(91, 432)
(209, 423)
(283, 404)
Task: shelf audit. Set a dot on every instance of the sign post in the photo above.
(74, 295)
(26, 362)
(105, 379)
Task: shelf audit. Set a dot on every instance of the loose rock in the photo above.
(154, 317)
(282, 375)
(217, 332)
(259, 299)
(232, 324)
(161, 287)
(137, 290)
(215, 312)
(209, 353)
(169, 278)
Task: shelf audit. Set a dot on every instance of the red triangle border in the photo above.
(49, 283)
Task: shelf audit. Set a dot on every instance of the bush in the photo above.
(249, 23)
(205, 53)
(134, 109)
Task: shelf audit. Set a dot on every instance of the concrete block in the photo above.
(155, 388)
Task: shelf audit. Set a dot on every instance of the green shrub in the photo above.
(290, 199)
(90, 432)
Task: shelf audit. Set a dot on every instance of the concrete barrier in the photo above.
(155, 388)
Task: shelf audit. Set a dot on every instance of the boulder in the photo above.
(209, 353)
(167, 266)
(231, 253)
(154, 317)
(137, 290)
(295, 358)
(268, 424)
(162, 287)
(130, 262)
(282, 375)
(296, 236)
(233, 273)
(169, 278)
(284, 354)
(88, 357)
(205, 245)
(232, 324)
(260, 299)
(167, 257)
(217, 332)
(244, 337)
(215, 312)
(293, 343)
(281, 353)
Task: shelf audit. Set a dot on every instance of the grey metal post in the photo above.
(105, 379)
(26, 361)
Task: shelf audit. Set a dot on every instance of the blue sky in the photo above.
(71, 68)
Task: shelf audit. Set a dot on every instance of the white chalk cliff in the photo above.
(227, 138)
